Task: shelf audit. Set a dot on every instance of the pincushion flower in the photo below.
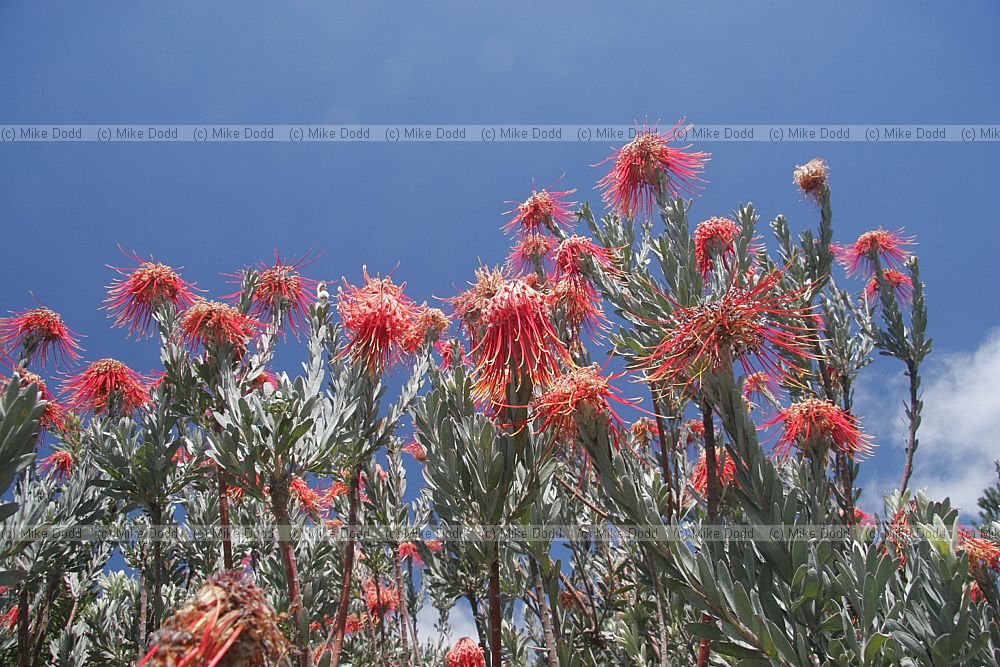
(213, 324)
(900, 284)
(310, 500)
(452, 352)
(649, 168)
(469, 305)
(725, 471)
(888, 246)
(410, 550)
(380, 598)
(282, 293)
(760, 385)
(414, 449)
(750, 324)
(54, 414)
(106, 383)
(543, 209)
(531, 253)
(430, 324)
(133, 298)
(39, 334)
(982, 553)
(59, 464)
(816, 421)
(465, 653)
(581, 393)
(812, 178)
(518, 345)
(573, 254)
(579, 303)
(713, 240)
(380, 322)
(644, 430)
(227, 622)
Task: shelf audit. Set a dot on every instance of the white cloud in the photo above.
(460, 622)
(960, 433)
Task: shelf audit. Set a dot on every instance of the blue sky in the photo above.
(214, 208)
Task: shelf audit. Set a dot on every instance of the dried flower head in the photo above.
(579, 303)
(543, 209)
(39, 334)
(380, 322)
(900, 284)
(750, 324)
(470, 304)
(465, 653)
(812, 178)
(760, 385)
(518, 344)
(133, 298)
(714, 239)
(107, 383)
(210, 323)
(227, 622)
(644, 430)
(888, 246)
(813, 424)
(648, 168)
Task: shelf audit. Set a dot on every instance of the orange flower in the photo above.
(465, 653)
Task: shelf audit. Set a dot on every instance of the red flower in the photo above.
(815, 420)
(380, 321)
(582, 393)
(354, 623)
(760, 384)
(982, 553)
(59, 463)
(134, 298)
(431, 323)
(104, 383)
(380, 597)
(644, 429)
(863, 518)
(263, 379)
(210, 323)
(888, 246)
(414, 449)
(54, 413)
(9, 620)
(283, 293)
(648, 168)
(747, 323)
(574, 252)
(811, 178)
(900, 283)
(447, 349)
(541, 209)
(518, 345)
(470, 304)
(531, 252)
(714, 239)
(725, 470)
(695, 430)
(310, 500)
(465, 653)
(434, 545)
(410, 550)
(39, 333)
(580, 304)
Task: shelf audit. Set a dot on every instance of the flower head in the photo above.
(575, 251)
(380, 597)
(106, 383)
(531, 251)
(814, 420)
(210, 323)
(54, 414)
(133, 298)
(380, 322)
(581, 393)
(644, 429)
(811, 178)
(648, 168)
(282, 292)
(713, 239)
(227, 620)
(410, 550)
(414, 449)
(579, 303)
(900, 284)
(59, 464)
(982, 553)
(760, 385)
(39, 333)
(542, 209)
(470, 304)
(725, 471)
(310, 500)
(452, 352)
(751, 324)
(518, 344)
(887, 246)
(465, 653)
(430, 324)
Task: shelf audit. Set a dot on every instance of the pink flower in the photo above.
(887, 246)
(465, 653)
(210, 323)
(380, 322)
(410, 550)
(282, 292)
(105, 383)
(648, 168)
(134, 298)
(815, 420)
(900, 284)
(39, 333)
(713, 239)
(542, 209)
